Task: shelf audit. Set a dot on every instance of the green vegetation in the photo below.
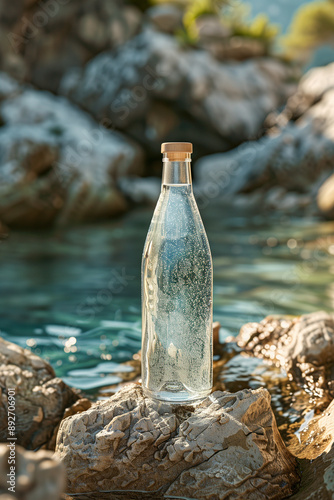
(312, 26)
(197, 9)
(232, 13)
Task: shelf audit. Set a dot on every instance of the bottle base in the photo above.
(182, 397)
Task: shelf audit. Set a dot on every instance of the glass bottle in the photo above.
(177, 289)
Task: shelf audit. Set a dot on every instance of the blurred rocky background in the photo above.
(90, 89)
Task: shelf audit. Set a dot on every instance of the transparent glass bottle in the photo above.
(177, 289)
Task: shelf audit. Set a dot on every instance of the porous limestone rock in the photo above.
(224, 101)
(57, 165)
(38, 476)
(296, 152)
(315, 446)
(228, 446)
(304, 347)
(40, 397)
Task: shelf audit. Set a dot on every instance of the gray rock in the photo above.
(123, 85)
(41, 40)
(296, 153)
(141, 189)
(229, 445)
(166, 18)
(57, 165)
(40, 397)
(303, 347)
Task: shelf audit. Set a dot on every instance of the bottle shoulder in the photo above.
(177, 227)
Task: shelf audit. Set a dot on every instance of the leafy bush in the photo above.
(312, 26)
(232, 13)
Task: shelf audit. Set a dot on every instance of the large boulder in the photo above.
(228, 445)
(28, 475)
(296, 154)
(303, 347)
(41, 40)
(56, 164)
(214, 105)
(36, 397)
(315, 446)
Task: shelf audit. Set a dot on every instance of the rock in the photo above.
(312, 87)
(237, 48)
(40, 397)
(166, 17)
(210, 28)
(325, 197)
(303, 347)
(38, 476)
(296, 153)
(227, 446)
(57, 165)
(40, 41)
(269, 162)
(217, 38)
(79, 406)
(122, 86)
(143, 190)
(316, 448)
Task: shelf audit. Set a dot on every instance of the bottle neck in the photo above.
(176, 169)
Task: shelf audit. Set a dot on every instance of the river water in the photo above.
(73, 295)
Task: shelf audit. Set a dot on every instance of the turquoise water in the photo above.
(73, 295)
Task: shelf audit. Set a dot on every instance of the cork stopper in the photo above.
(177, 151)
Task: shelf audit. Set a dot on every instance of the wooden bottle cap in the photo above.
(176, 147)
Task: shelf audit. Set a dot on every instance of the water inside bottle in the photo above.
(177, 300)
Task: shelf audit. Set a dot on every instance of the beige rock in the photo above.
(79, 406)
(38, 476)
(315, 445)
(40, 397)
(325, 197)
(237, 48)
(227, 446)
(210, 27)
(303, 346)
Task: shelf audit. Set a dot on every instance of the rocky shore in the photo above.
(130, 83)
(48, 145)
(228, 445)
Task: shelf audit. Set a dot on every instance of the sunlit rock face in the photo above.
(325, 197)
(40, 397)
(296, 154)
(156, 91)
(303, 346)
(38, 476)
(315, 446)
(57, 165)
(229, 445)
